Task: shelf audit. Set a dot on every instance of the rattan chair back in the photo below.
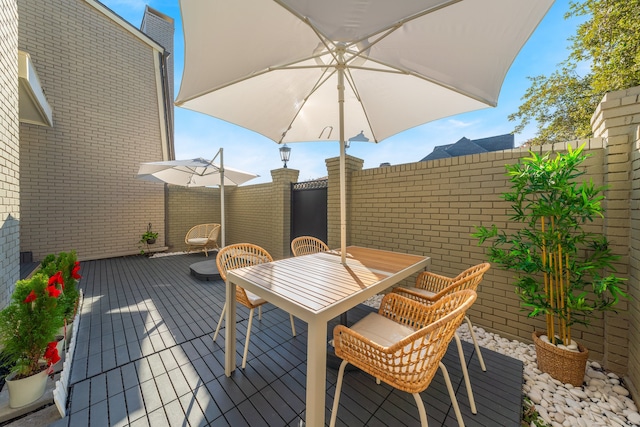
(305, 245)
(410, 364)
(441, 285)
(237, 256)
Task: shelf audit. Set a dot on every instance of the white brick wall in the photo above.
(9, 151)
(78, 187)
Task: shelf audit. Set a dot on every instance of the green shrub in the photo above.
(30, 323)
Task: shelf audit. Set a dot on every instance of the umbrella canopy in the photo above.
(192, 173)
(300, 70)
(196, 173)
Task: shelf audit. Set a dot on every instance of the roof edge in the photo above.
(124, 24)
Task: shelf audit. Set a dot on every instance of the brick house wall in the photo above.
(101, 76)
(9, 151)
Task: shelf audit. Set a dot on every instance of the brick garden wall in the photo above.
(9, 151)
(78, 188)
(617, 119)
(634, 266)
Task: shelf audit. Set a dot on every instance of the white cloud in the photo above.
(459, 123)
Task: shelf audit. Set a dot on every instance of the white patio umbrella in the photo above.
(300, 70)
(196, 173)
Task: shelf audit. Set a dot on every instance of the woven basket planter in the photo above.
(563, 365)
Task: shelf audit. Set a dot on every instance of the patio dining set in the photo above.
(401, 345)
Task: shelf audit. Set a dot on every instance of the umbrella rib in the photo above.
(393, 27)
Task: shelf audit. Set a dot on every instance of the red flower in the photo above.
(53, 291)
(74, 272)
(30, 298)
(51, 353)
(57, 279)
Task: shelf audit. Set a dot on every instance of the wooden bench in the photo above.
(203, 236)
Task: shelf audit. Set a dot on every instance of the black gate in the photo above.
(309, 209)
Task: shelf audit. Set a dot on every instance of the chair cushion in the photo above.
(253, 298)
(381, 330)
(423, 292)
(198, 240)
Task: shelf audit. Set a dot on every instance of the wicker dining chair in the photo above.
(237, 256)
(431, 287)
(403, 345)
(305, 245)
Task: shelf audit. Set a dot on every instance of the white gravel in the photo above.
(603, 399)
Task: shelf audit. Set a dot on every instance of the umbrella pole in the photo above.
(223, 228)
(343, 196)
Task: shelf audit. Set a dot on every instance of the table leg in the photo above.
(316, 373)
(230, 330)
(343, 319)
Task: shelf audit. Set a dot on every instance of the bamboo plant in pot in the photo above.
(28, 326)
(563, 269)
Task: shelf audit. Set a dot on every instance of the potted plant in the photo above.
(148, 238)
(563, 270)
(28, 326)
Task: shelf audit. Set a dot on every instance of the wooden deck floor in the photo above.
(145, 357)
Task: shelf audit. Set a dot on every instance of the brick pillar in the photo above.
(352, 164)
(281, 199)
(616, 120)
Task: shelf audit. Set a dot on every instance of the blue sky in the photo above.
(199, 135)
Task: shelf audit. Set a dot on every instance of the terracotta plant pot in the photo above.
(564, 365)
(26, 390)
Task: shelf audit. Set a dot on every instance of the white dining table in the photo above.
(317, 288)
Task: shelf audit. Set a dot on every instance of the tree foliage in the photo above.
(607, 46)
